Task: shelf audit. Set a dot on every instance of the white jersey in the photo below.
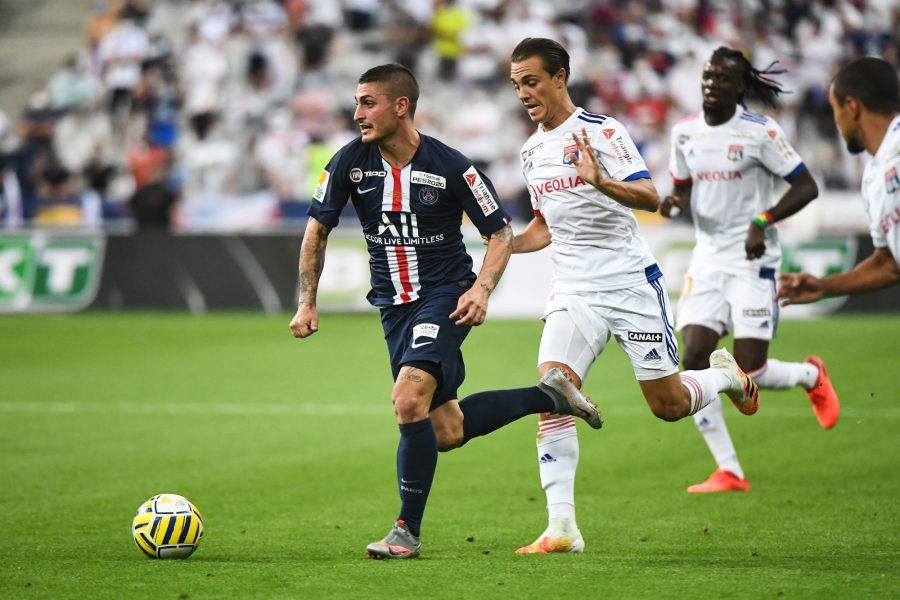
(732, 167)
(595, 240)
(881, 192)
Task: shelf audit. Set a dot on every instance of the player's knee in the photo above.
(410, 406)
(668, 411)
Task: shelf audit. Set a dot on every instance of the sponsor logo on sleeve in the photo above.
(423, 178)
(480, 190)
(644, 336)
(781, 145)
(618, 146)
(321, 186)
(356, 175)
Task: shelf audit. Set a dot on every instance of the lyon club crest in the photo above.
(735, 152)
(892, 180)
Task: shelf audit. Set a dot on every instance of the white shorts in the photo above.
(577, 327)
(720, 300)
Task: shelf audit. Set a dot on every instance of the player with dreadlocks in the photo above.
(724, 162)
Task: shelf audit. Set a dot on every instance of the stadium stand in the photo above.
(226, 111)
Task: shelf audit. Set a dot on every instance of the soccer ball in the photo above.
(167, 526)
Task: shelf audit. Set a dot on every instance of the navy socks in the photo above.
(485, 412)
(416, 462)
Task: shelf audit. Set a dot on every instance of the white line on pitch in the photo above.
(362, 410)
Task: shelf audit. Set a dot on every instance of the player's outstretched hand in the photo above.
(305, 322)
(798, 288)
(471, 309)
(755, 244)
(586, 160)
(671, 207)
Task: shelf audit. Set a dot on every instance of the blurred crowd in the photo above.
(220, 114)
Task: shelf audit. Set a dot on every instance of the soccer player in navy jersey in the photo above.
(410, 192)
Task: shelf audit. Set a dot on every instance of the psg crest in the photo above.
(428, 195)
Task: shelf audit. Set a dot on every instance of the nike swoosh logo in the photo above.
(415, 345)
(408, 480)
(363, 191)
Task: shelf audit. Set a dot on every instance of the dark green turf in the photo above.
(287, 447)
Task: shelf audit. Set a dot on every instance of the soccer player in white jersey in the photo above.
(724, 162)
(865, 97)
(586, 176)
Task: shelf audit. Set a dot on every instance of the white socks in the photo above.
(777, 375)
(704, 386)
(711, 424)
(557, 445)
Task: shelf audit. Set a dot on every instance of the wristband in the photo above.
(764, 219)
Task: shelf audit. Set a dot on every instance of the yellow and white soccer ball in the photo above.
(167, 526)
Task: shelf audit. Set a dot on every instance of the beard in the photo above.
(854, 146)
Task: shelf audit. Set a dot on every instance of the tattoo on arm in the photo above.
(312, 260)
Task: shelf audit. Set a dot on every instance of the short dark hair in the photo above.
(400, 80)
(870, 80)
(553, 56)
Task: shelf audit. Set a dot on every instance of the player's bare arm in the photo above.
(472, 306)
(677, 202)
(878, 271)
(535, 236)
(803, 190)
(639, 194)
(312, 260)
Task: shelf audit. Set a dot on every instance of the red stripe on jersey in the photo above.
(397, 198)
(681, 181)
(538, 214)
(402, 263)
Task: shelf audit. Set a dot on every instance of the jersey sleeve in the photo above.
(883, 225)
(776, 153)
(617, 152)
(331, 193)
(535, 204)
(479, 200)
(678, 166)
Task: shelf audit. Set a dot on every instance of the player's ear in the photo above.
(854, 106)
(559, 79)
(401, 106)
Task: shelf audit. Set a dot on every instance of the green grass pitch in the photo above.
(288, 447)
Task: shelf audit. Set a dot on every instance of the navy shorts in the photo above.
(422, 331)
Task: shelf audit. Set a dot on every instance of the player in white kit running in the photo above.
(865, 97)
(724, 162)
(585, 176)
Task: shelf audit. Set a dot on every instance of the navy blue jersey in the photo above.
(411, 217)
